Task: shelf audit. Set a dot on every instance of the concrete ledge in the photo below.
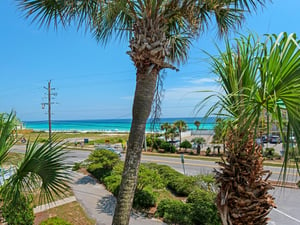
(45, 207)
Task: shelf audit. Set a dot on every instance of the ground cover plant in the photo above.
(162, 187)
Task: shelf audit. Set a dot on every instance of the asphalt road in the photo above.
(287, 200)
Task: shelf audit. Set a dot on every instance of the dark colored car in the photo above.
(275, 139)
(264, 138)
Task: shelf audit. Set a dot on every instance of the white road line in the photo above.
(292, 218)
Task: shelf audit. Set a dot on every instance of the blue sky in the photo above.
(97, 82)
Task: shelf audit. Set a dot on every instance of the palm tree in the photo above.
(197, 124)
(166, 127)
(254, 76)
(220, 131)
(159, 32)
(181, 126)
(42, 167)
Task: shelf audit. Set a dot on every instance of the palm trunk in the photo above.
(243, 197)
(144, 94)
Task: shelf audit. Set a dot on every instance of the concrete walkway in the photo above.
(45, 207)
(99, 204)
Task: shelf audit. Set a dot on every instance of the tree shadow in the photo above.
(107, 205)
(86, 180)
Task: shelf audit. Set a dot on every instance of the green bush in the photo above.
(298, 184)
(76, 166)
(183, 185)
(208, 151)
(157, 143)
(269, 153)
(168, 147)
(112, 184)
(185, 144)
(203, 208)
(19, 212)
(149, 177)
(174, 212)
(144, 199)
(101, 162)
(55, 221)
(113, 180)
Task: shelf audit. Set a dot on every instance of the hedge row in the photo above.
(200, 209)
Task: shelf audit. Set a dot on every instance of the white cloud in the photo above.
(202, 81)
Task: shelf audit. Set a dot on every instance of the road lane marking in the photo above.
(283, 213)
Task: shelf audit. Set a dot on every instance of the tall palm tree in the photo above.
(181, 126)
(197, 124)
(159, 32)
(42, 167)
(166, 127)
(254, 76)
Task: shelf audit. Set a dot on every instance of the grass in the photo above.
(99, 137)
(13, 158)
(71, 212)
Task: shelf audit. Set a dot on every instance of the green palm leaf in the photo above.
(42, 168)
(7, 138)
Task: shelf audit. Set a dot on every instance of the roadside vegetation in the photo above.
(161, 191)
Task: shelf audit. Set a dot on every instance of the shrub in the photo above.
(174, 212)
(101, 162)
(77, 166)
(55, 221)
(206, 182)
(269, 153)
(144, 199)
(157, 143)
(113, 180)
(183, 185)
(19, 212)
(149, 177)
(203, 208)
(112, 183)
(168, 147)
(186, 144)
(208, 151)
(298, 184)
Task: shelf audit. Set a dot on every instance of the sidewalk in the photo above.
(99, 204)
(45, 207)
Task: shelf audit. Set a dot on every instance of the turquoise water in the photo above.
(111, 125)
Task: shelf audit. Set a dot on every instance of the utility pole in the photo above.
(49, 103)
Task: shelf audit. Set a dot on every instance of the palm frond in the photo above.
(7, 137)
(43, 168)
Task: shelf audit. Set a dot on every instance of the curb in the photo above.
(42, 208)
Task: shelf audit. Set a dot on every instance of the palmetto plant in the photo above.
(41, 170)
(160, 33)
(255, 76)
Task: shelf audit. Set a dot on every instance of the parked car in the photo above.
(275, 139)
(264, 138)
(100, 147)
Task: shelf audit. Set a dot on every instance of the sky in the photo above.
(93, 81)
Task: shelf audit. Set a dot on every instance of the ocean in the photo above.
(112, 125)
